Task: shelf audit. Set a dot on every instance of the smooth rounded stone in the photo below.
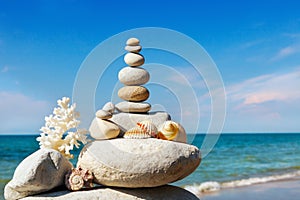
(132, 42)
(41, 171)
(133, 76)
(102, 114)
(136, 163)
(133, 93)
(101, 129)
(141, 107)
(134, 59)
(109, 107)
(166, 192)
(133, 49)
(127, 121)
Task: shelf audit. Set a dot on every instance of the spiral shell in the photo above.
(168, 130)
(77, 178)
(136, 133)
(148, 127)
(74, 180)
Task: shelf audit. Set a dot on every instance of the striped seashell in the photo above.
(136, 133)
(168, 130)
(148, 127)
(74, 180)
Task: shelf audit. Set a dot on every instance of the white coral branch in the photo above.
(61, 130)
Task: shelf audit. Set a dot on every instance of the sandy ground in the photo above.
(268, 191)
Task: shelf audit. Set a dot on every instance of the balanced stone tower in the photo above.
(133, 77)
(134, 108)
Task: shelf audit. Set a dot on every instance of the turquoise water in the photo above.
(234, 157)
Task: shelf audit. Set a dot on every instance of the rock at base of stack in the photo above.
(136, 163)
(41, 171)
(167, 192)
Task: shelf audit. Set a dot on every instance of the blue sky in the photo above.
(255, 45)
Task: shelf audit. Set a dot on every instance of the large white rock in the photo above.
(41, 171)
(101, 129)
(133, 76)
(135, 163)
(127, 121)
(166, 192)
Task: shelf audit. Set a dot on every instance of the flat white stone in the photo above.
(133, 76)
(135, 163)
(102, 114)
(166, 192)
(101, 129)
(134, 59)
(42, 171)
(133, 49)
(136, 107)
(127, 121)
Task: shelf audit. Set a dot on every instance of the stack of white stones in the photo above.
(134, 109)
(133, 77)
(109, 124)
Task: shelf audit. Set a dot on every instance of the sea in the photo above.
(235, 160)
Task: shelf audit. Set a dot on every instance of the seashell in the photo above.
(148, 127)
(74, 180)
(77, 178)
(168, 130)
(136, 133)
(88, 177)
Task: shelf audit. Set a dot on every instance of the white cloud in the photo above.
(285, 52)
(5, 69)
(268, 103)
(187, 77)
(272, 87)
(20, 113)
(252, 43)
(292, 35)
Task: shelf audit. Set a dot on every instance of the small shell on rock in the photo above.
(168, 130)
(74, 180)
(148, 127)
(136, 133)
(78, 178)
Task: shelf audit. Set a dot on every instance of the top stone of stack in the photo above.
(133, 42)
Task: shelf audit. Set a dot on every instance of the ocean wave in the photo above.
(212, 186)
